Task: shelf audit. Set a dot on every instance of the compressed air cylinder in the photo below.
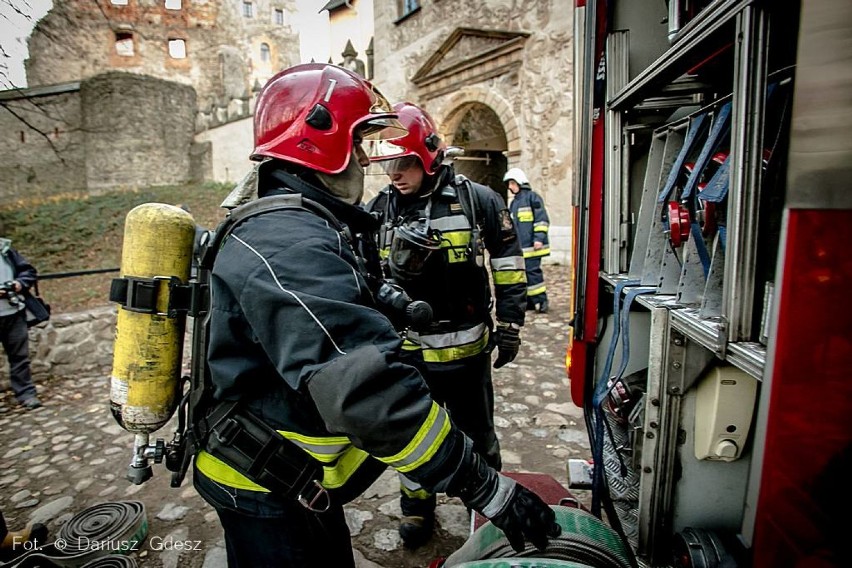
(145, 385)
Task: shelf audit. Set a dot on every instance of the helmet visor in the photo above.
(381, 128)
(387, 158)
(381, 150)
(396, 165)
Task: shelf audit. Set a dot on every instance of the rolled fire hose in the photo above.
(585, 540)
(111, 561)
(97, 537)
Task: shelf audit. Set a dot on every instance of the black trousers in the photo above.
(262, 531)
(16, 342)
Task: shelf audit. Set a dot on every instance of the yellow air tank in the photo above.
(145, 385)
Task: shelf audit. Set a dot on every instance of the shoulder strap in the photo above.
(197, 406)
(259, 207)
(467, 201)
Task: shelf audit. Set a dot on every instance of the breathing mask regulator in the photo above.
(412, 243)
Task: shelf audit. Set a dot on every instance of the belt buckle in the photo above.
(309, 502)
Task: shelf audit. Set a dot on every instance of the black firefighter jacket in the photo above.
(295, 334)
(455, 280)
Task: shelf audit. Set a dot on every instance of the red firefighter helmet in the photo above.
(308, 114)
(421, 141)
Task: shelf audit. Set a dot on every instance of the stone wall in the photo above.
(115, 130)
(76, 345)
(70, 345)
(230, 147)
(138, 130)
(42, 143)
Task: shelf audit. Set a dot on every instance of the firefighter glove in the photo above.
(507, 340)
(512, 508)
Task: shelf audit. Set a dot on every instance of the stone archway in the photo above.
(481, 134)
(483, 124)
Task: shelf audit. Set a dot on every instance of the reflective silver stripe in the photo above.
(531, 250)
(508, 263)
(451, 339)
(321, 448)
(409, 484)
(451, 223)
(524, 209)
(536, 290)
(427, 444)
(498, 503)
(280, 287)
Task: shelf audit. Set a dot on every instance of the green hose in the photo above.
(585, 542)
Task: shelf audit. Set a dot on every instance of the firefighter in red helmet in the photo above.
(297, 348)
(465, 220)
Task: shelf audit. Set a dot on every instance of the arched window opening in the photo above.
(177, 48)
(124, 44)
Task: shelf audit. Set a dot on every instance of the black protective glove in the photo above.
(507, 340)
(512, 508)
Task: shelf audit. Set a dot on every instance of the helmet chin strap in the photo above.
(348, 185)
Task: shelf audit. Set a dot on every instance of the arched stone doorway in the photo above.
(478, 129)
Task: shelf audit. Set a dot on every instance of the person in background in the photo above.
(16, 277)
(304, 366)
(532, 222)
(464, 220)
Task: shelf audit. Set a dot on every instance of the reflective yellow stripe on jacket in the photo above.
(525, 215)
(425, 443)
(451, 346)
(508, 270)
(455, 236)
(339, 457)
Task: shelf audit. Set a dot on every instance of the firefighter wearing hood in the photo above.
(296, 341)
(436, 229)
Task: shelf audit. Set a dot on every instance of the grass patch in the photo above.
(69, 234)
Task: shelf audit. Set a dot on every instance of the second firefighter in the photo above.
(436, 228)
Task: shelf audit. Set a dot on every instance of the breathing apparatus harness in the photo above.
(225, 429)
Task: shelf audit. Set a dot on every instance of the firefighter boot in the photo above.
(542, 307)
(418, 520)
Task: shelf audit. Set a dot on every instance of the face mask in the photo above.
(348, 185)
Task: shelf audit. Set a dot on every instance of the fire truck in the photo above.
(711, 333)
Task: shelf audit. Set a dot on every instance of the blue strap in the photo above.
(621, 315)
(698, 238)
(625, 324)
(721, 126)
(695, 127)
(599, 396)
(717, 188)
